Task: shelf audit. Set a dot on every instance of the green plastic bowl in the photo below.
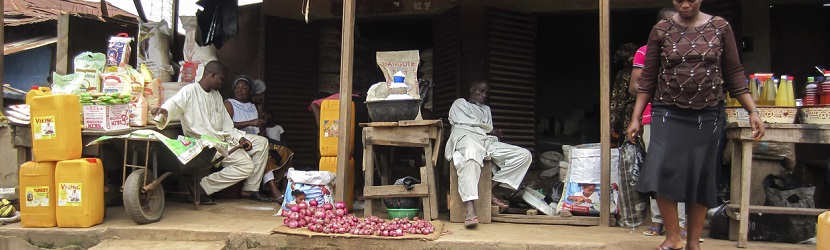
(401, 213)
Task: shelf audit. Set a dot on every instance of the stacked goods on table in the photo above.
(336, 219)
(113, 94)
(776, 100)
(59, 188)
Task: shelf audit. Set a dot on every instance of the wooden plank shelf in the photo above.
(779, 210)
(547, 219)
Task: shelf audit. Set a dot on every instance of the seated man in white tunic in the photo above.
(202, 112)
(469, 143)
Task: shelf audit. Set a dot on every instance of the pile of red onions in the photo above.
(337, 220)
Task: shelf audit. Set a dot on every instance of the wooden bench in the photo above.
(458, 210)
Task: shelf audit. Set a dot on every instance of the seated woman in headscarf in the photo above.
(247, 118)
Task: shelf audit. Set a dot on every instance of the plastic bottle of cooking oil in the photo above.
(768, 92)
(823, 231)
(329, 116)
(55, 119)
(330, 164)
(80, 192)
(783, 98)
(754, 89)
(37, 194)
(37, 91)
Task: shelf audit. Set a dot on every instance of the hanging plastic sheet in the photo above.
(218, 21)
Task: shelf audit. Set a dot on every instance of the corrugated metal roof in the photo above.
(21, 12)
(11, 48)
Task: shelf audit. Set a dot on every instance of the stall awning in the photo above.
(11, 48)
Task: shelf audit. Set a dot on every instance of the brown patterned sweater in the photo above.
(692, 67)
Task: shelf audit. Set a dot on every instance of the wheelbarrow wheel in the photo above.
(143, 207)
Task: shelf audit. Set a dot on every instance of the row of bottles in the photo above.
(766, 90)
(67, 193)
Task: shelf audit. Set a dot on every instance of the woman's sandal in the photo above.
(654, 231)
(471, 223)
(668, 248)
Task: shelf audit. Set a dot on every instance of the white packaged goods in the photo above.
(118, 52)
(193, 52)
(115, 82)
(106, 117)
(154, 48)
(403, 61)
(91, 65)
(138, 112)
(68, 84)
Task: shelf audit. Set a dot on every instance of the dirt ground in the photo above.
(241, 224)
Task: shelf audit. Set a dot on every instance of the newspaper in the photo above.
(185, 148)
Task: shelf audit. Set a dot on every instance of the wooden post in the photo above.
(62, 48)
(605, 115)
(2, 63)
(104, 12)
(140, 10)
(344, 122)
(175, 24)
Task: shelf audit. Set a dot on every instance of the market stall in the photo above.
(739, 207)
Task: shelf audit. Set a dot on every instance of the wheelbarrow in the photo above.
(142, 189)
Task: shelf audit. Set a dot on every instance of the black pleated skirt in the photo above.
(681, 161)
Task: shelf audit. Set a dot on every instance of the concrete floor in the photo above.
(238, 224)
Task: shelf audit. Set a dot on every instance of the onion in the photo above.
(340, 204)
(312, 203)
(294, 216)
(302, 205)
(319, 214)
(285, 221)
(301, 223)
(295, 209)
(292, 224)
(327, 206)
(339, 212)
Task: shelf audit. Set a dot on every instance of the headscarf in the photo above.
(246, 79)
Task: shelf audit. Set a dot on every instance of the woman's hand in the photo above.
(633, 130)
(256, 123)
(757, 125)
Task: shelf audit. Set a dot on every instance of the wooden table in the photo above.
(742, 135)
(426, 134)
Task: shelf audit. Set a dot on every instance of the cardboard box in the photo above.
(107, 117)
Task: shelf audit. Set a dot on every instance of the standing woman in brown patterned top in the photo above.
(691, 62)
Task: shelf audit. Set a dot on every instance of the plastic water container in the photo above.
(329, 115)
(823, 231)
(80, 192)
(55, 119)
(37, 194)
(37, 91)
(330, 164)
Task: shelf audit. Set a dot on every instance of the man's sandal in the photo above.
(471, 223)
(502, 206)
(255, 197)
